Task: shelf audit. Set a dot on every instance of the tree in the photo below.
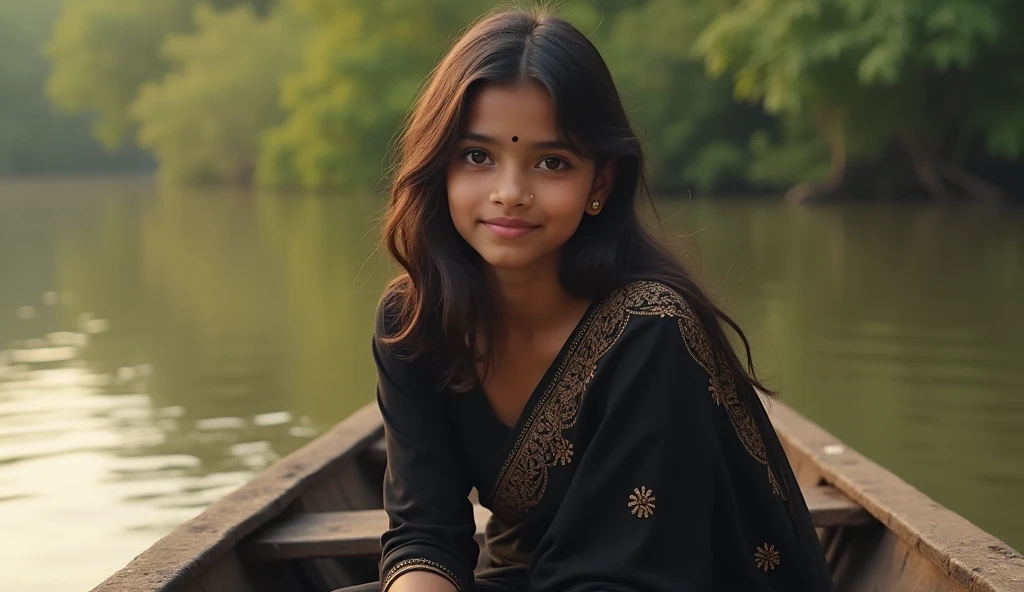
(205, 119)
(32, 139)
(926, 77)
(102, 51)
(696, 135)
(363, 68)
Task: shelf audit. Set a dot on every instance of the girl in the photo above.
(544, 349)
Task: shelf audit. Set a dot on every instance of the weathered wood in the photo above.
(829, 507)
(880, 533)
(873, 559)
(331, 534)
(346, 489)
(175, 562)
(226, 575)
(357, 534)
(964, 554)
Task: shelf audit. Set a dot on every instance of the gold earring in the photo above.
(595, 204)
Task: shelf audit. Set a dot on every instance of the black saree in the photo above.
(637, 465)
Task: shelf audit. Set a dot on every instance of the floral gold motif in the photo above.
(541, 445)
(561, 451)
(642, 501)
(766, 557)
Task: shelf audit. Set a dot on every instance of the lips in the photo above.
(509, 227)
(509, 223)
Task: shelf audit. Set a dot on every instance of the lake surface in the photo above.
(159, 347)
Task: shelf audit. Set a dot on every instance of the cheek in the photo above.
(564, 209)
(461, 197)
(564, 223)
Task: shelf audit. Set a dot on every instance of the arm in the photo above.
(638, 513)
(429, 546)
(421, 581)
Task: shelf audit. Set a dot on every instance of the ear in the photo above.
(601, 190)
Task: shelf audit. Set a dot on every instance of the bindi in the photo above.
(515, 138)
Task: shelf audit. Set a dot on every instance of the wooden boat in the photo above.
(311, 523)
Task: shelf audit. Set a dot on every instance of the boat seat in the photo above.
(357, 533)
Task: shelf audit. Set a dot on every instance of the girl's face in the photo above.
(515, 191)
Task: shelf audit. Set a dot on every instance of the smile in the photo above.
(509, 227)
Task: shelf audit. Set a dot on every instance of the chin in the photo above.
(507, 258)
(508, 262)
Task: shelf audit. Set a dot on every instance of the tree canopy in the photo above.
(205, 119)
(840, 97)
(930, 77)
(103, 51)
(364, 65)
(33, 140)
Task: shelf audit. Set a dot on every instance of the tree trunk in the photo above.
(829, 121)
(924, 167)
(975, 187)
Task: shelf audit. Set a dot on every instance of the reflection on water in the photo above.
(157, 352)
(159, 348)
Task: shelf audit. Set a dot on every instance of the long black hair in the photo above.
(442, 301)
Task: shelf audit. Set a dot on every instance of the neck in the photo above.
(530, 300)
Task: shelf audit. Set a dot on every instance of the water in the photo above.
(160, 347)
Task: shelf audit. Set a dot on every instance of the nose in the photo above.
(510, 192)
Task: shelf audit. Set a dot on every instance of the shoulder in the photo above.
(391, 309)
(649, 298)
(664, 315)
(407, 358)
(388, 323)
(387, 315)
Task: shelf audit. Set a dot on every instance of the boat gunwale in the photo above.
(963, 552)
(186, 552)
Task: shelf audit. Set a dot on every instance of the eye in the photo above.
(476, 156)
(555, 163)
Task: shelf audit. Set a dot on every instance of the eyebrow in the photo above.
(543, 145)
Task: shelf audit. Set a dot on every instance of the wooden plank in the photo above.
(829, 507)
(967, 555)
(331, 534)
(873, 559)
(176, 561)
(227, 575)
(357, 534)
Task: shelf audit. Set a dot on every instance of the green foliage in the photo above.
(798, 89)
(204, 120)
(870, 73)
(796, 154)
(32, 140)
(102, 51)
(363, 68)
(695, 135)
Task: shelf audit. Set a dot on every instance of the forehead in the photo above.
(524, 110)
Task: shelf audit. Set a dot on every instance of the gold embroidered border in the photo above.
(524, 475)
(421, 564)
(523, 478)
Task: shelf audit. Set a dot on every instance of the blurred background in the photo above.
(190, 193)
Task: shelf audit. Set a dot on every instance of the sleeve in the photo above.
(426, 489)
(637, 515)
